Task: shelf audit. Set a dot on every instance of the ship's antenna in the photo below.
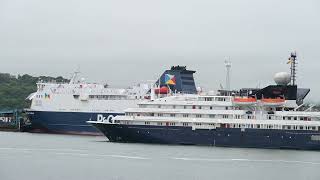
(293, 68)
(75, 76)
(227, 63)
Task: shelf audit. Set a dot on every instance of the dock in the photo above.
(10, 120)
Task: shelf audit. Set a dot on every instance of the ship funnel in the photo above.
(178, 79)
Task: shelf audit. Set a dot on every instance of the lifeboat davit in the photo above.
(244, 100)
(162, 90)
(273, 101)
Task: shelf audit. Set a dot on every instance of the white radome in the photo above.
(282, 78)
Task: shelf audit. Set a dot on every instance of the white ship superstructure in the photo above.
(85, 97)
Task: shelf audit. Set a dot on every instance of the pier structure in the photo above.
(10, 120)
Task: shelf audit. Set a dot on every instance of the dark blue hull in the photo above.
(66, 122)
(228, 137)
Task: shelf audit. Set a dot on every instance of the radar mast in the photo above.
(227, 63)
(293, 68)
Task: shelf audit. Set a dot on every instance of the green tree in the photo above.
(15, 89)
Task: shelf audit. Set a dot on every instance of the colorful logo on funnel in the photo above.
(170, 79)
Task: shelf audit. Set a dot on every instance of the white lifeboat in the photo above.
(84, 97)
(244, 100)
(273, 101)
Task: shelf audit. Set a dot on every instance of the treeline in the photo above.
(15, 89)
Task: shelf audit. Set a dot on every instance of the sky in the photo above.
(123, 42)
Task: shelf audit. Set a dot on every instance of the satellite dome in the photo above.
(282, 78)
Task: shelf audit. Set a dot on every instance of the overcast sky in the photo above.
(127, 41)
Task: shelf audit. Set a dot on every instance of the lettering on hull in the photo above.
(108, 119)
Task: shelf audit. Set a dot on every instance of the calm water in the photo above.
(45, 156)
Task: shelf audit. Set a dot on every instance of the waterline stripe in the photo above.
(247, 160)
(41, 149)
(104, 155)
(72, 152)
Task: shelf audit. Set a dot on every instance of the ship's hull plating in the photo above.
(235, 137)
(67, 122)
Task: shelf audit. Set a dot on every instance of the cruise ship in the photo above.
(65, 107)
(271, 117)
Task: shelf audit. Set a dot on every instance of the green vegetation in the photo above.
(15, 89)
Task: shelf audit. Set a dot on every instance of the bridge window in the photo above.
(212, 116)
